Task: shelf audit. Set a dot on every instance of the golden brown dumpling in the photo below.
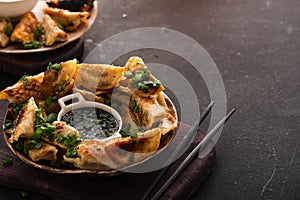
(116, 153)
(4, 25)
(71, 20)
(147, 111)
(59, 82)
(138, 78)
(48, 83)
(24, 30)
(24, 123)
(97, 77)
(52, 32)
(29, 86)
(46, 152)
(4, 40)
(63, 130)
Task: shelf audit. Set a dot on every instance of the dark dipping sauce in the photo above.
(92, 123)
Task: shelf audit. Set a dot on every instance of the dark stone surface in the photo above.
(256, 46)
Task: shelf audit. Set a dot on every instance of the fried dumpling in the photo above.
(74, 5)
(139, 79)
(46, 152)
(63, 131)
(88, 155)
(97, 77)
(5, 27)
(24, 123)
(51, 82)
(146, 111)
(96, 81)
(52, 32)
(60, 82)
(4, 40)
(116, 153)
(26, 87)
(24, 31)
(67, 19)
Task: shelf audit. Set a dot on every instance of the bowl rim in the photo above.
(11, 1)
(82, 103)
(18, 1)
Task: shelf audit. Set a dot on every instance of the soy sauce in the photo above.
(92, 123)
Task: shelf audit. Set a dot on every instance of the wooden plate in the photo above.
(164, 143)
(16, 48)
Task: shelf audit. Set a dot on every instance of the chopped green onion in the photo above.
(24, 194)
(143, 87)
(138, 77)
(37, 134)
(38, 32)
(107, 102)
(51, 117)
(38, 145)
(54, 66)
(25, 80)
(128, 74)
(7, 20)
(31, 45)
(88, 126)
(134, 106)
(61, 138)
(8, 31)
(17, 107)
(133, 133)
(61, 26)
(50, 99)
(19, 146)
(7, 162)
(8, 124)
(156, 83)
(148, 83)
(71, 152)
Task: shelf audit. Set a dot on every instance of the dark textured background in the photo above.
(256, 46)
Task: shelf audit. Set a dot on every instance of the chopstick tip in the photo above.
(229, 114)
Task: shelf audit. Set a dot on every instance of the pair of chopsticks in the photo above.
(201, 146)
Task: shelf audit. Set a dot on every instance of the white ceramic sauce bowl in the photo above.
(82, 103)
(16, 8)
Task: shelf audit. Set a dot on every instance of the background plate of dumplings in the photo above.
(16, 48)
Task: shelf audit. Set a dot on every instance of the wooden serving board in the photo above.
(33, 63)
(126, 185)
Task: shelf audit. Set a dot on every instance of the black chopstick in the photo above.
(189, 158)
(179, 149)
